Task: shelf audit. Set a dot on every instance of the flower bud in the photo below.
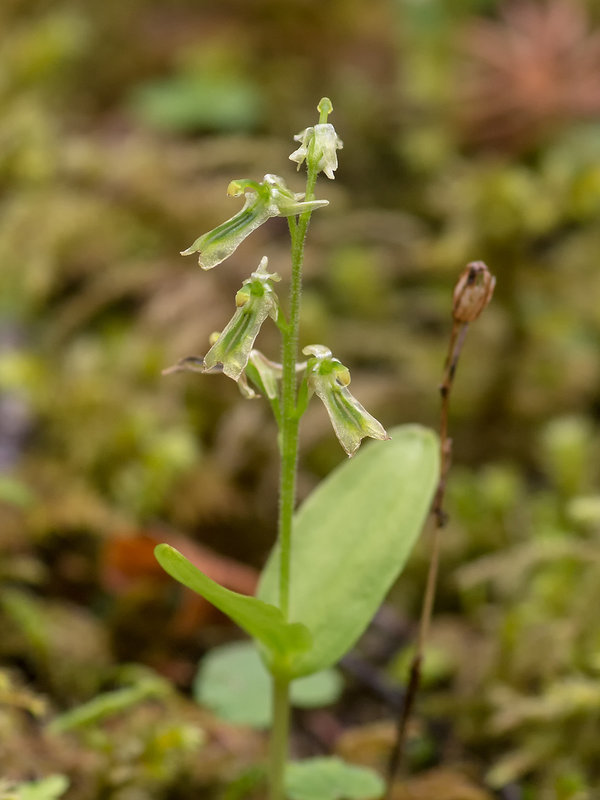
(472, 292)
(269, 198)
(328, 378)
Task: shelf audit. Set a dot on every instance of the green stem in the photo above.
(289, 418)
(288, 431)
(279, 738)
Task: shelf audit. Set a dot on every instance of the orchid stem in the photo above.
(287, 483)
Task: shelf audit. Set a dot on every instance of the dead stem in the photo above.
(471, 295)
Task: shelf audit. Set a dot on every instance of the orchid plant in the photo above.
(336, 557)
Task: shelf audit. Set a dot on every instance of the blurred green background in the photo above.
(471, 131)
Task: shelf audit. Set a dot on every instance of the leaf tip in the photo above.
(161, 550)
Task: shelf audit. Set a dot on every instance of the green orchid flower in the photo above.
(319, 143)
(328, 378)
(264, 373)
(269, 198)
(255, 301)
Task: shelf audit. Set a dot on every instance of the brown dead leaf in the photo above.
(439, 784)
(128, 562)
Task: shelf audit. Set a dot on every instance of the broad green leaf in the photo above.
(352, 538)
(282, 640)
(234, 683)
(331, 779)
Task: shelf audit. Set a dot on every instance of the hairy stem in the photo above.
(279, 738)
(288, 433)
(289, 424)
(289, 418)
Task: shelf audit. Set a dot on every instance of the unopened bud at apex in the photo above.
(473, 292)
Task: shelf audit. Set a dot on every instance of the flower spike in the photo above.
(328, 378)
(269, 198)
(255, 301)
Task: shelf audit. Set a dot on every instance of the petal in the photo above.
(246, 390)
(300, 154)
(285, 203)
(317, 350)
(268, 371)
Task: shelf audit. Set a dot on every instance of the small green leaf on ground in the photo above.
(319, 689)
(331, 779)
(50, 788)
(234, 683)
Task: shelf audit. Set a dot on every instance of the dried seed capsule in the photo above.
(473, 292)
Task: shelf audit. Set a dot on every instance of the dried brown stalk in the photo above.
(472, 293)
